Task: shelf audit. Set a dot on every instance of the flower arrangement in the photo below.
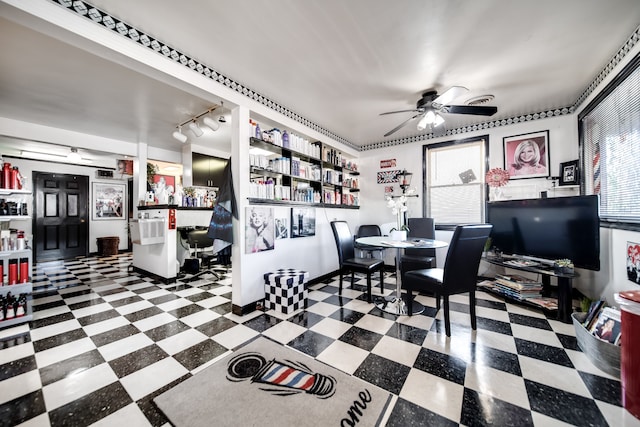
(398, 207)
(563, 266)
(497, 177)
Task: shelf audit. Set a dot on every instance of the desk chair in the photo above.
(348, 260)
(198, 238)
(459, 274)
(366, 231)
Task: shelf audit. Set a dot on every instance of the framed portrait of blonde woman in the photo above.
(527, 155)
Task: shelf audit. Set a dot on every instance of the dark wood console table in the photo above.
(565, 287)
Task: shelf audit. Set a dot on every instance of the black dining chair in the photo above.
(349, 262)
(459, 274)
(368, 230)
(415, 258)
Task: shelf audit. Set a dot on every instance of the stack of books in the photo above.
(517, 286)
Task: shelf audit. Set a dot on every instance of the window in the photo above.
(610, 146)
(454, 190)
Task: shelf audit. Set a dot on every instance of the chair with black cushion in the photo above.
(349, 262)
(367, 231)
(199, 240)
(459, 274)
(415, 258)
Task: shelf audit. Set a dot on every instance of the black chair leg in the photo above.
(472, 309)
(382, 280)
(437, 302)
(409, 302)
(447, 322)
(369, 287)
(340, 287)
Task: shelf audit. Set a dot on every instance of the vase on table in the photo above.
(398, 235)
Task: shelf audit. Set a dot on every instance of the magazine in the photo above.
(608, 327)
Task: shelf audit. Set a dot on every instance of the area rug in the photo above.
(267, 384)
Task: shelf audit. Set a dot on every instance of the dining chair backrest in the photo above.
(463, 257)
(367, 230)
(344, 240)
(421, 227)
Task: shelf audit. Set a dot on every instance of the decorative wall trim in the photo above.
(100, 17)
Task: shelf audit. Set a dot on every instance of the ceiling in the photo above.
(336, 63)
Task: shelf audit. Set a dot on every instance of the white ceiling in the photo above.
(337, 63)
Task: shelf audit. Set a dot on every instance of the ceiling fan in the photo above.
(430, 107)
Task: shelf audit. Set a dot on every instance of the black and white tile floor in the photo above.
(104, 342)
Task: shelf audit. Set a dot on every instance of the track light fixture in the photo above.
(210, 122)
(179, 135)
(194, 126)
(73, 156)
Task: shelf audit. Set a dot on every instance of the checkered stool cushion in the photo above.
(285, 290)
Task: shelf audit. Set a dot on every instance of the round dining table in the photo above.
(395, 304)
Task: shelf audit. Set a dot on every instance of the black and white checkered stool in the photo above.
(285, 290)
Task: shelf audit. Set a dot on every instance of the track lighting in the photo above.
(193, 127)
(179, 135)
(73, 156)
(208, 121)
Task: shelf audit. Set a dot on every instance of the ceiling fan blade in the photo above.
(476, 110)
(450, 94)
(402, 124)
(399, 111)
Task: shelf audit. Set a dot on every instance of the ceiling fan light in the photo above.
(193, 126)
(438, 120)
(422, 124)
(179, 135)
(430, 116)
(213, 124)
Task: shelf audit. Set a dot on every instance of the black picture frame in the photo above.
(569, 173)
(514, 147)
(303, 222)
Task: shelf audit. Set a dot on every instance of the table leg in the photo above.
(396, 304)
(565, 306)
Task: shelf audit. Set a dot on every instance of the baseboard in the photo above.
(166, 280)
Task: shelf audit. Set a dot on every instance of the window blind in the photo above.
(610, 139)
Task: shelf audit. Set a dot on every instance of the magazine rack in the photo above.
(602, 354)
(565, 286)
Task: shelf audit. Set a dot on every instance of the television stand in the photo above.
(565, 286)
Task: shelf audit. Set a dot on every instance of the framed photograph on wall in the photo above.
(527, 155)
(303, 222)
(109, 201)
(259, 230)
(388, 177)
(569, 173)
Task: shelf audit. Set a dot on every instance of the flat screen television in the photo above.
(550, 229)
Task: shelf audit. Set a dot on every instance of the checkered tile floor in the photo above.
(105, 341)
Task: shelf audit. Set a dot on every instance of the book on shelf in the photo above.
(520, 286)
(522, 263)
(517, 278)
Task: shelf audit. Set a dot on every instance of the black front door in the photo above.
(61, 216)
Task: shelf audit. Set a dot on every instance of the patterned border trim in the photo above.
(98, 16)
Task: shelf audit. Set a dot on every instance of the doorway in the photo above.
(61, 222)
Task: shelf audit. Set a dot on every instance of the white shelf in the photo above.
(13, 217)
(20, 288)
(8, 191)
